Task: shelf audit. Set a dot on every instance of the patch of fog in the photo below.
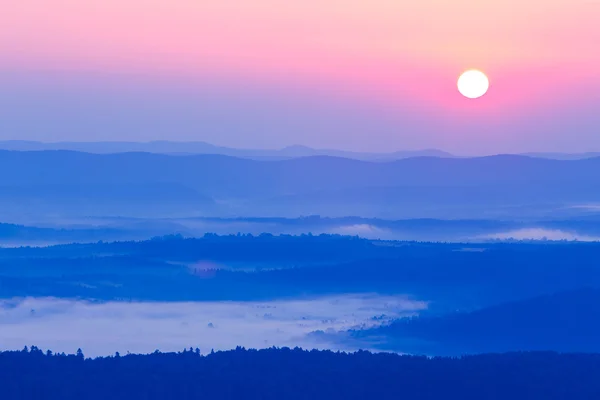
(587, 207)
(541, 234)
(142, 327)
(366, 231)
(374, 232)
(471, 249)
(204, 268)
(14, 245)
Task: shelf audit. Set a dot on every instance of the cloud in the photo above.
(588, 207)
(142, 327)
(364, 230)
(541, 234)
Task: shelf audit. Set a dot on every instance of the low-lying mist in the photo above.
(142, 327)
(542, 234)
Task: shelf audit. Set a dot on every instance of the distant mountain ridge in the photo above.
(209, 171)
(564, 156)
(430, 187)
(294, 151)
(197, 147)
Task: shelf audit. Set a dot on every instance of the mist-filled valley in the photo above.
(310, 290)
(119, 253)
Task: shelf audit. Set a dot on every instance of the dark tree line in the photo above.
(297, 374)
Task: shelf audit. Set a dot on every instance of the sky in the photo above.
(377, 75)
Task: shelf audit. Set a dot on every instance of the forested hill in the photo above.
(297, 374)
(267, 266)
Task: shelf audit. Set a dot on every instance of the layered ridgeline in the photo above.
(187, 148)
(72, 183)
(55, 230)
(260, 267)
(183, 148)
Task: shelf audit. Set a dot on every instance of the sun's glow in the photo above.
(473, 84)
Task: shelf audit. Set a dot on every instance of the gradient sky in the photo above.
(375, 75)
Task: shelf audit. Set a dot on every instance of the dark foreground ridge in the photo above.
(298, 374)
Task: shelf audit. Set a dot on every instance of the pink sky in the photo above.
(541, 56)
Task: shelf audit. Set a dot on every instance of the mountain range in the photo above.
(223, 185)
(295, 151)
(189, 148)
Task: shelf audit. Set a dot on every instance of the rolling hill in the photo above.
(413, 187)
(566, 321)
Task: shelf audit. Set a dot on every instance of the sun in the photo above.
(473, 84)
